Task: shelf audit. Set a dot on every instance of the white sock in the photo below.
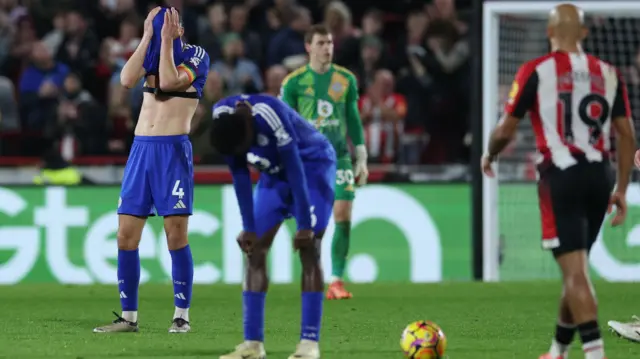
(181, 313)
(130, 316)
(594, 349)
(335, 279)
(254, 343)
(558, 349)
(311, 343)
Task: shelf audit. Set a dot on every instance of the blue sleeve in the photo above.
(29, 81)
(278, 119)
(196, 63)
(244, 191)
(61, 74)
(222, 106)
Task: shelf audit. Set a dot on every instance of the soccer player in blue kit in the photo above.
(158, 177)
(298, 166)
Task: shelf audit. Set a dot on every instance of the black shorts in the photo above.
(573, 203)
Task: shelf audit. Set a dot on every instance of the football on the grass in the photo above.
(423, 340)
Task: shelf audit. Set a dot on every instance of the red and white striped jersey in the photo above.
(571, 99)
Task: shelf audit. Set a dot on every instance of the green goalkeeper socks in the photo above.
(340, 248)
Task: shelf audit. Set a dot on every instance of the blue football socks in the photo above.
(182, 273)
(128, 279)
(253, 315)
(311, 315)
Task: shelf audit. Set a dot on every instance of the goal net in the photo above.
(514, 33)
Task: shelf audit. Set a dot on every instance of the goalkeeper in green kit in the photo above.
(327, 95)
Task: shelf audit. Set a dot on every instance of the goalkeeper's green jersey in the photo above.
(329, 101)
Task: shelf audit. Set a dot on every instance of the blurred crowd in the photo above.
(60, 63)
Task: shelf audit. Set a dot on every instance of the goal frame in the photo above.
(491, 11)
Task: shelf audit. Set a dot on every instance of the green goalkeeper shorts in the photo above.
(345, 180)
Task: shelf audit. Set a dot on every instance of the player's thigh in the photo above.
(171, 179)
(344, 181)
(562, 213)
(270, 208)
(597, 199)
(135, 194)
(322, 198)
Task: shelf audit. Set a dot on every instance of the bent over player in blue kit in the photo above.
(298, 166)
(158, 177)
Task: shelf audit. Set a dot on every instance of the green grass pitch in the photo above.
(492, 321)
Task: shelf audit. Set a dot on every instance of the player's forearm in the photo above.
(354, 124)
(298, 182)
(169, 76)
(133, 69)
(626, 147)
(244, 192)
(499, 139)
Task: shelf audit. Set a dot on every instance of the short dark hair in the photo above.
(229, 130)
(318, 29)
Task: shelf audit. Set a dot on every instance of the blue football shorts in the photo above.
(158, 177)
(273, 200)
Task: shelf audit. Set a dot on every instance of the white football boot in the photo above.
(306, 349)
(629, 331)
(247, 350)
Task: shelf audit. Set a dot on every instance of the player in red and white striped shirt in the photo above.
(574, 100)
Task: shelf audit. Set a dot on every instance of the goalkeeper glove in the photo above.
(361, 172)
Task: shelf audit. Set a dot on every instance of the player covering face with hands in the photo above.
(158, 177)
(326, 95)
(297, 168)
(574, 100)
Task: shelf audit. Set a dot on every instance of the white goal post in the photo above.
(500, 17)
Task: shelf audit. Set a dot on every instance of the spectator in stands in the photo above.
(240, 75)
(40, 87)
(9, 115)
(274, 24)
(53, 39)
(382, 111)
(287, 46)
(372, 25)
(82, 121)
(213, 30)
(275, 75)
(108, 14)
(79, 50)
(21, 48)
(412, 41)
(252, 42)
(447, 63)
(337, 18)
(449, 49)
(285, 9)
(6, 35)
(446, 10)
(370, 61)
(415, 83)
(122, 48)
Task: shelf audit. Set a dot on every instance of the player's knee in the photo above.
(175, 228)
(310, 255)
(257, 260)
(576, 280)
(128, 239)
(342, 211)
(129, 232)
